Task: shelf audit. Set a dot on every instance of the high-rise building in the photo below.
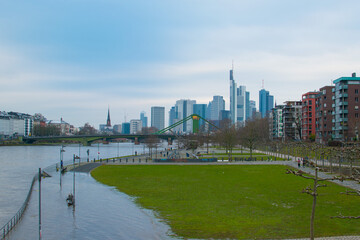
(135, 126)
(233, 98)
(291, 114)
(200, 109)
(323, 114)
(266, 102)
(241, 104)
(247, 106)
(158, 117)
(143, 119)
(172, 116)
(276, 123)
(252, 109)
(183, 108)
(346, 123)
(125, 128)
(117, 128)
(215, 106)
(308, 123)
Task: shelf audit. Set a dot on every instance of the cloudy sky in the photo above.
(74, 58)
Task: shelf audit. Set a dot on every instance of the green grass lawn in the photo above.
(241, 202)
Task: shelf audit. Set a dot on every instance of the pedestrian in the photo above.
(299, 162)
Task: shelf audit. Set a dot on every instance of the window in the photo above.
(356, 99)
(356, 107)
(356, 115)
(324, 105)
(356, 91)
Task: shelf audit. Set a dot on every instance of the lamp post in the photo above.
(98, 152)
(62, 150)
(39, 203)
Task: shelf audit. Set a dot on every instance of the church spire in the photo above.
(108, 122)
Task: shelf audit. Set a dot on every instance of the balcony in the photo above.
(333, 98)
(343, 87)
(343, 103)
(333, 105)
(343, 111)
(343, 95)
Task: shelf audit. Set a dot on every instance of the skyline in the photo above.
(73, 60)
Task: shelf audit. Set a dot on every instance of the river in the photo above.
(101, 211)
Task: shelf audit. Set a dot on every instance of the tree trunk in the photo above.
(313, 205)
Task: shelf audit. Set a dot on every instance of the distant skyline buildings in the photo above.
(143, 119)
(215, 107)
(266, 102)
(182, 109)
(158, 117)
(233, 94)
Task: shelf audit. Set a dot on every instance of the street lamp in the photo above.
(62, 150)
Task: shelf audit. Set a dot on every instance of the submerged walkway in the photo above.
(86, 167)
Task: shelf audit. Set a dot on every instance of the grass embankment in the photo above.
(245, 202)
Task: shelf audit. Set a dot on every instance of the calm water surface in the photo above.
(101, 211)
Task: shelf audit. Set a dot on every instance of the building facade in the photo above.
(144, 119)
(323, 114)
(200, 109)
(183, 108)
(291, 114)
(276, 123)
(125, 128)
(266, 102)
(233, 98)
(135, 126)
(346, 122)
(308, 121)
(215, 107)
(241, 105)
(158, 117)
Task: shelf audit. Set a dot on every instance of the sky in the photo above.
(74, 59)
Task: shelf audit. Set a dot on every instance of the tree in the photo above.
(227, 137)
(312, 191)
(152, 142)
(254, 132)
(87, 129)
(47, 130)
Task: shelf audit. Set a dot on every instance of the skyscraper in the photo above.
(241, 104)
(233, 97)
(215, 107)
(143, 119)
(252, 108)
(158, 117)
(266, 102)
(183, 108)
(200, 109)
(247, 106)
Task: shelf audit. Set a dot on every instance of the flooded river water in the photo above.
(101, 212)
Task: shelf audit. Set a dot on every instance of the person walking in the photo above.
(299, 162)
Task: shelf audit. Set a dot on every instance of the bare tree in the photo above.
(151, 143)
(227, 137)
(254, 132)
(312, 191)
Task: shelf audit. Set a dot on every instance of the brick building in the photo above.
(323, 114)
(308, 126)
